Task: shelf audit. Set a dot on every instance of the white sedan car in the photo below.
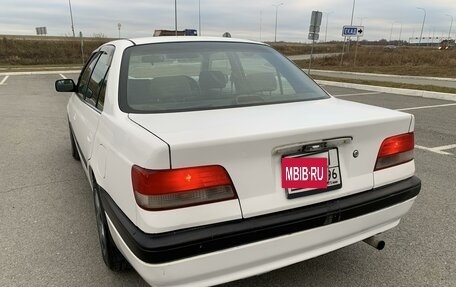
(215, 159)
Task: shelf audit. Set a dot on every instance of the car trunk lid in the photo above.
(249, 142)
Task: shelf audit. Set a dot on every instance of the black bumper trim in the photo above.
(184, 243)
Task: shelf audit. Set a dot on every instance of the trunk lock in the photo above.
(355, 153)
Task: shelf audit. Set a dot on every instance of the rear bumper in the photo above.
(259, 257)
(170, 246)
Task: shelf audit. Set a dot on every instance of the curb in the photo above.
(405, 92)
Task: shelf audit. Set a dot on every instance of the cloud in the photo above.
(240, 18)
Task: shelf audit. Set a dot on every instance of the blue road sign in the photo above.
(353, 31)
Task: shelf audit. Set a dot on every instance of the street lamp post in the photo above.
(345, 38)
(422, 26)
(118, 27)
(391, 32)
(261, 22)
(357, 41)
(175, 16)
(451, 26)
(361, 20)
(71, 15)
(277, 9)
(353, 12)
(400, 34)
(351, 24)
(326, 27)
(199, 17)
(82, 47)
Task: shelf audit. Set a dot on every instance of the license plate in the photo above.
(334, 177)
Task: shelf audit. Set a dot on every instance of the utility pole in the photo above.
(118, 27)
(71, 15)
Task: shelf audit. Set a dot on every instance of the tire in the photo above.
(74, 150)
(111, 255)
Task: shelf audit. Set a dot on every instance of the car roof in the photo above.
(171, 39)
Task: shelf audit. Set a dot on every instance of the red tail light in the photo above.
(175, 188)
(395, 150)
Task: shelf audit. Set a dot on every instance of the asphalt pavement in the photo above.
(47, 223)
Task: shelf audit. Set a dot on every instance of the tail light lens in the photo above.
(176, 188)
(395, 150)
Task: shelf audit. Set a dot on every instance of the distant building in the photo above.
(186, 32)
(427, 40)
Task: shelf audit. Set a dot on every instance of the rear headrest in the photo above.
(261, 82)
(212, 80)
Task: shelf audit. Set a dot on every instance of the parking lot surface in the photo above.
(47, 224)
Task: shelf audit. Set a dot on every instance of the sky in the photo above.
(253, 19)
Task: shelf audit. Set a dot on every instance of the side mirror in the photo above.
(65, 85)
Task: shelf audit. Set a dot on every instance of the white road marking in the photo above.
(438, 150)
(358, 94)
(427, 107)
(4, 80)
(444, 147)
(63, 77)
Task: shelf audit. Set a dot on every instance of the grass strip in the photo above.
(32, 68)
(389, 84)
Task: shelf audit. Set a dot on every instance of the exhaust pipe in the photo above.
(375, 242)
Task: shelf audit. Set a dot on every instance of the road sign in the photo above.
(315, 22)
(315, 19)
(314, 29)
(313, 36)
(353, 31)
(41, 30)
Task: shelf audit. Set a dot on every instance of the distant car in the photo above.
(445, 44)
(390, 47)
(186, 143)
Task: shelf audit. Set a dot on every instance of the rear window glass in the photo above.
(190, 76)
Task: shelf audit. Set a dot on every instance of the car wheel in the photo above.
(111, 255)
(74, 150)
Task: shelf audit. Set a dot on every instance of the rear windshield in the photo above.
(188, 76)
